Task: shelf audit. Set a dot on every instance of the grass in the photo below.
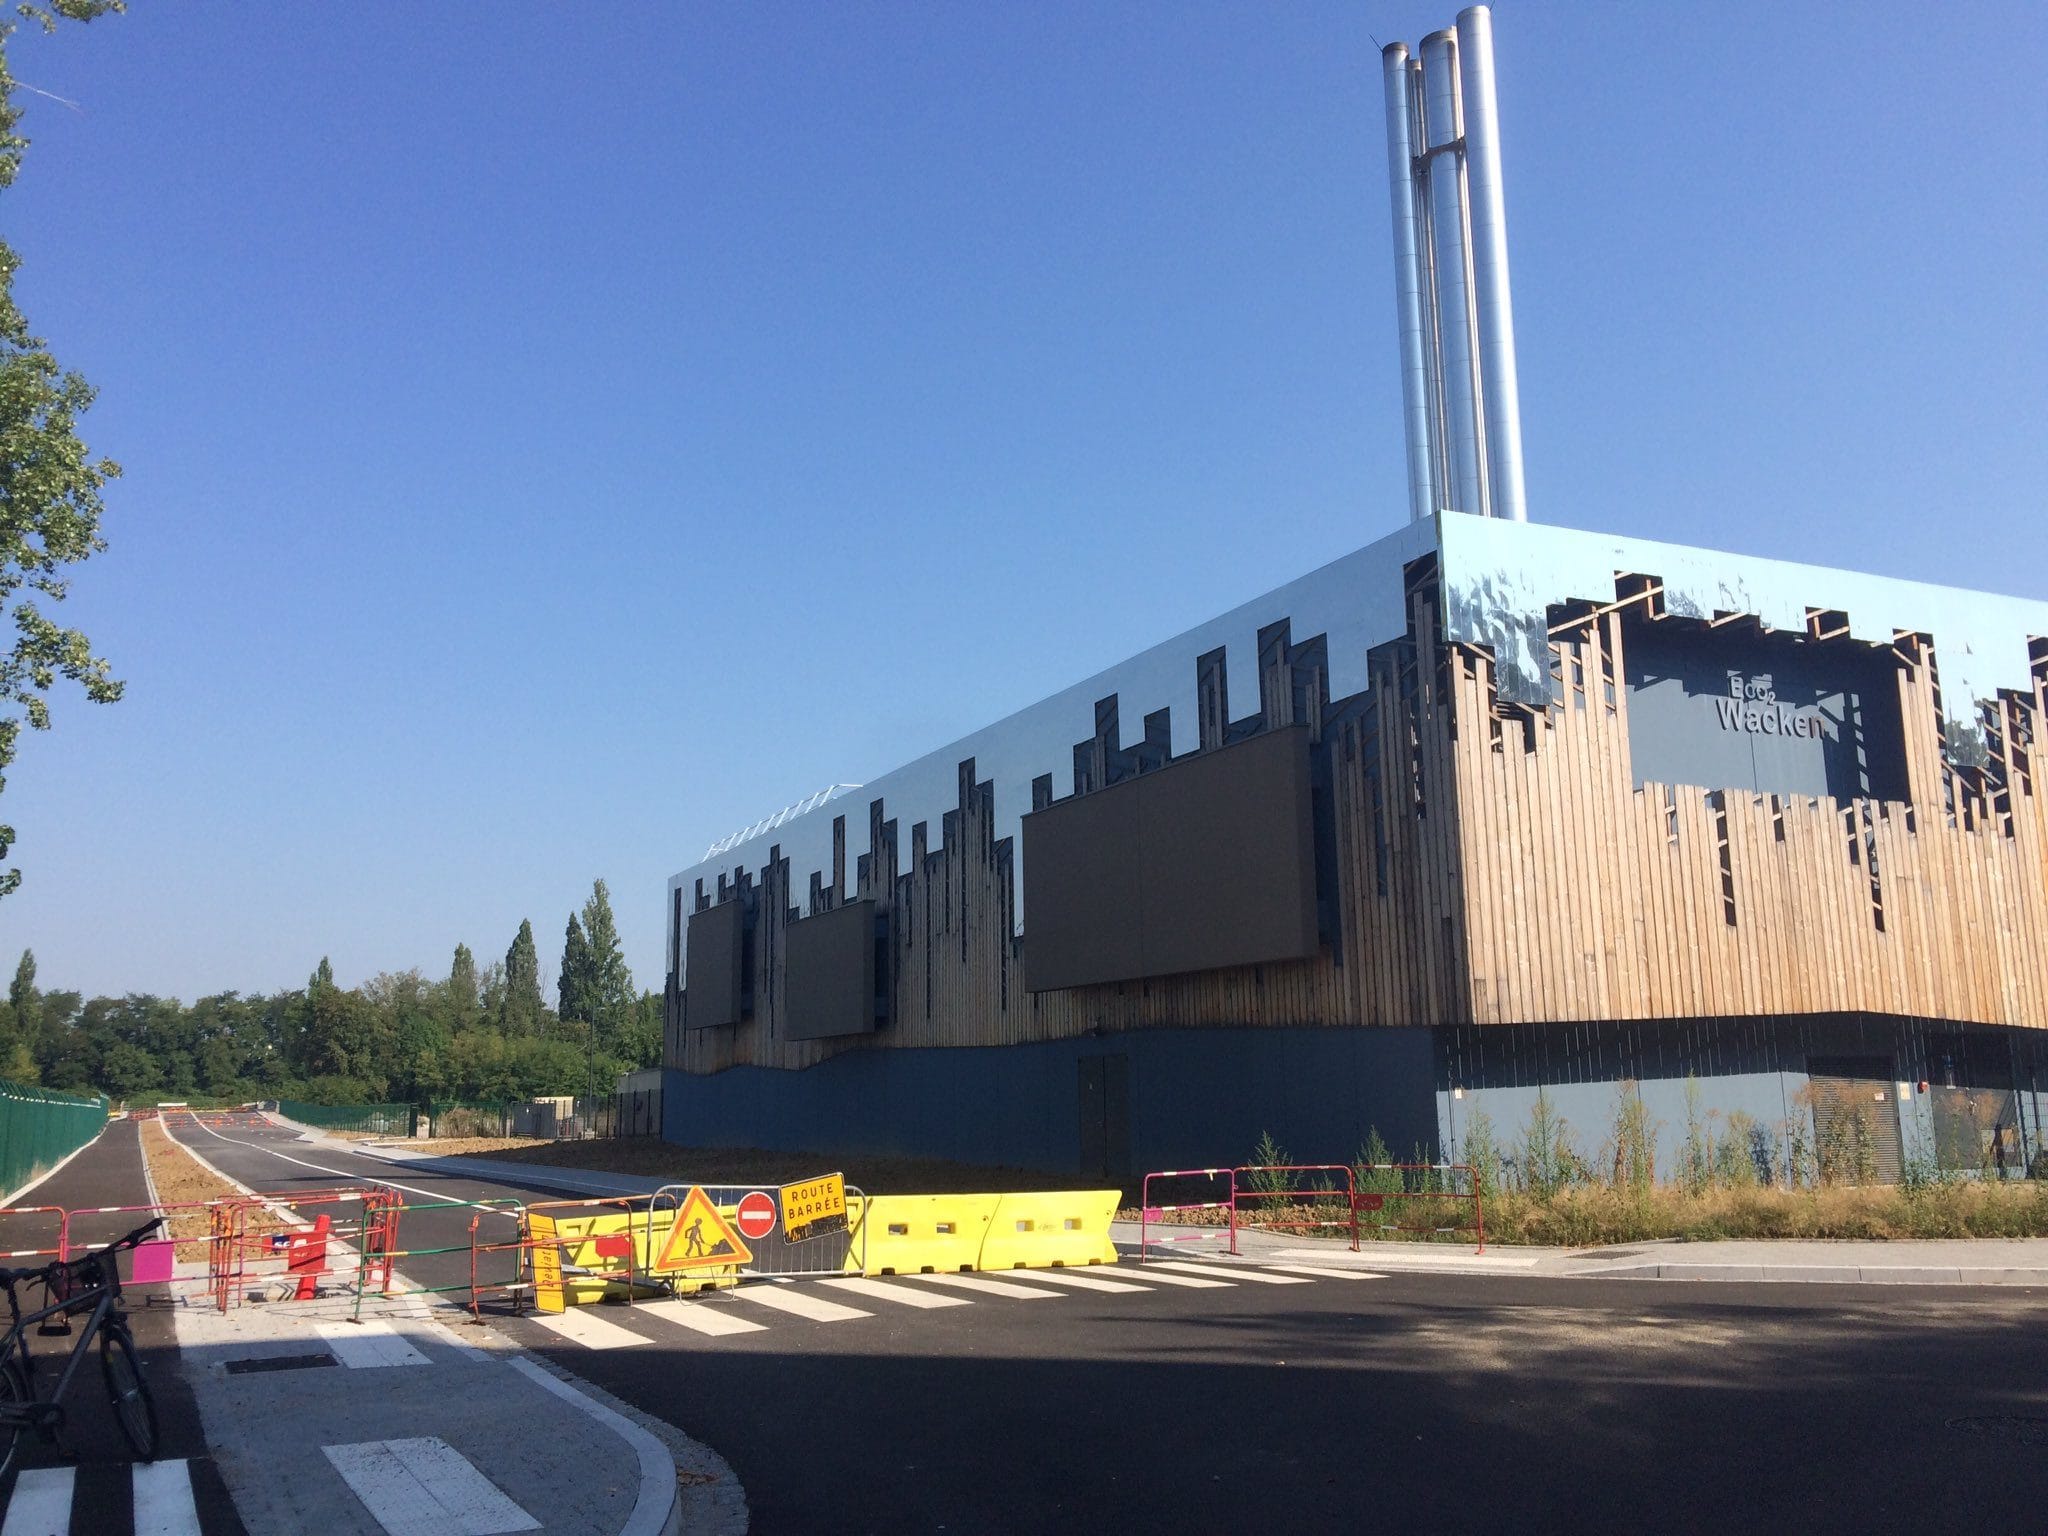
(1588, 1216)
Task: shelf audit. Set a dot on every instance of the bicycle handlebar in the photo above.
(13, 1277)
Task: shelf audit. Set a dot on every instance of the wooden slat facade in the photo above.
(1493, 863)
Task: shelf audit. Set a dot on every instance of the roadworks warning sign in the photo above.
(701, 1238)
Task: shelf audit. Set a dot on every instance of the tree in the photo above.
(21, 992)
(522, 1010)
(49, 483)
(574, 991)
(609, 997)
(461, 989)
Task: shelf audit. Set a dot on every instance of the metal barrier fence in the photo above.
(1349, 1209)
(40, 1127)
(374, 1119)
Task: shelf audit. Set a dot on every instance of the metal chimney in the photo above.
(1461, 403)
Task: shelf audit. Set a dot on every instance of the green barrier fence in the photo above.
(377, 1119)
(40, 1127)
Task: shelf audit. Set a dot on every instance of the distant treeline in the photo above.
(476, 1034)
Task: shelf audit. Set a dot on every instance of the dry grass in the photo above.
(1596, 1215)
(179, 1178)
(740, 1165)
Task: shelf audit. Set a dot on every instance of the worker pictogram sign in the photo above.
(700, 1239)
(756, 1216)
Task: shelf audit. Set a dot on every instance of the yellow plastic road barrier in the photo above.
(597, 1242)
(912, 1234)
(1041, 1231)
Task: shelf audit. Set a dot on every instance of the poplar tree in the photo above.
(523, 1008)
(608, 996)
(462, 995)
(575, 985)
(49, 482)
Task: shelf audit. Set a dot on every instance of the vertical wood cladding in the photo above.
(1587, 899)
(1483, 862)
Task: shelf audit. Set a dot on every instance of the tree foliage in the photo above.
(398, 1036)
(50, 483)
(522, 1012)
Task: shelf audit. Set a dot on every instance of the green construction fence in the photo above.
(40, 1127)
(374, 1119)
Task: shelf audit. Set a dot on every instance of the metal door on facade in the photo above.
(1856, 1119)
(1105, 1087)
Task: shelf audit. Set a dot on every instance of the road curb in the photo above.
(1823, 1274)
(658, 1511)
(659, 1504)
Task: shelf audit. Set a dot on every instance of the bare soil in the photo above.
(744, 1165)
(179, 1179)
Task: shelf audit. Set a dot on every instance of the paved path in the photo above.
(99, 1488)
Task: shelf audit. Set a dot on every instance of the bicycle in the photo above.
(89, 1286)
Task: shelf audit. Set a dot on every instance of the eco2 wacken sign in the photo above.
(1752, 707)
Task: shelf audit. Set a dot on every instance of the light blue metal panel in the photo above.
(1356, 601)
(1500, 578)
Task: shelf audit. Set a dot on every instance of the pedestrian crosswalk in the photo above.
(105, 1499)
(762, 1304)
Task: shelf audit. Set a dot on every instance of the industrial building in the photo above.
(1489, 808)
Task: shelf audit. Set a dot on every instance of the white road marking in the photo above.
(41, 1505)
(902, 1295)
(794, 1299)
(988, 1287)
(579, 1327)
(425, 1487)
(1151, 1271)
(701, 1317)
(362, 1345)
(343, 1173)
(1321, 1273)
(163, 1499)
(1235, 1271)
(1080, 1280)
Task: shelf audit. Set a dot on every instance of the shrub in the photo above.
(1480, 1151)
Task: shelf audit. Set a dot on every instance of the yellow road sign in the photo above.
(702, 1238)
(547, 1265)
(814, 1207)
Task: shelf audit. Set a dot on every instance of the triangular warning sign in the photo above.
(701, 1239)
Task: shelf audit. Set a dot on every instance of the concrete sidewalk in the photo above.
(408, 1419)
(306, 1407)
(1948, 1261)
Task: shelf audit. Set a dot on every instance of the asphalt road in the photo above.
(1413, 1402)
(1410, 1403)
(110, 1172)
(273, 1160)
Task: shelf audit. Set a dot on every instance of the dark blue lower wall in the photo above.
(1194, 1098)
(1197, 1097)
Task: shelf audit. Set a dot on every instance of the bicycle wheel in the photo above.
(14, 1393)
(127, 1391)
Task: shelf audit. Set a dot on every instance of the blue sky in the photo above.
(557, 437)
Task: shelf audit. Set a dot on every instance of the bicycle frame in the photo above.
(35, 1413)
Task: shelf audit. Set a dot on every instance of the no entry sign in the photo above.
(756, 1215)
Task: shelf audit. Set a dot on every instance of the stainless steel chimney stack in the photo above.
(1461, 402)
(1487, 242)
(1411, 302)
